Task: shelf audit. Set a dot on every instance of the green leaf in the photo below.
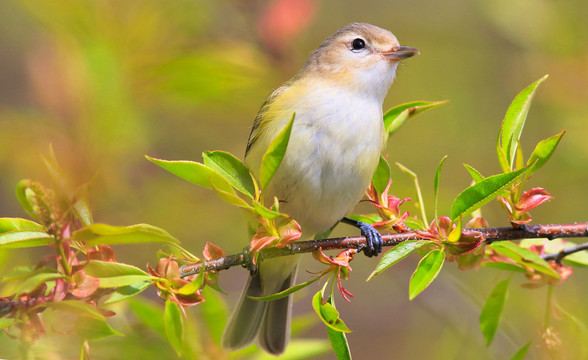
(22, 272)
(174, 326)
(24, 239)
(514, 121)
(128, 291)
(113, 274)
(490, 316)
(426, 271)
(519, 158)
(397, 116)
(284, 293)
(193, 286)
(476, 175)
(275, 154)
(396, 254)
(436, 183)
(504, 266)
(455, 234)
(21, 195)
(338, 339)
(103, 234)
(524, 257)
(370, 219)
(522, 352)
(232, 169)
(339, 344)
(542, 153)
(94, 329)
(328, 314)
(481, 193)
(75, 307)
(230, 197)
(415, 224)
(195, 173)
(82, 210)
(382, 175)
(265, 212)
(18, 224)
(502, 157)
(36, 278)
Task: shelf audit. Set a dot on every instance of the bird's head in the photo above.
(360, 56)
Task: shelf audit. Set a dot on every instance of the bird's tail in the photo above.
(268, 319)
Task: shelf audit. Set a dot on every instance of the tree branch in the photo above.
(490, 235)
(558, 257)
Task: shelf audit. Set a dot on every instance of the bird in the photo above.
(334, 147)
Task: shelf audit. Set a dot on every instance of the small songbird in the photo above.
(334, 149)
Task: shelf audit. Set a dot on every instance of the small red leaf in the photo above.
(289, 231)
(85, 285)
(532, 198)
(212, 251)
(103, 253)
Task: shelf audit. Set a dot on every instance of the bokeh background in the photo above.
(106, 82)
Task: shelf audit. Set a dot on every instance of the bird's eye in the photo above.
(357, 44)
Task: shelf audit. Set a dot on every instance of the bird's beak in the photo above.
(400, 53)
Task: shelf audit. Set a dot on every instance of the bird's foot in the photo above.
(373, 238)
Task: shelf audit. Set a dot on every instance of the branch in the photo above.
(489, 235)
(558, 257)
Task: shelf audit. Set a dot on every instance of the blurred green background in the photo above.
(109, 81)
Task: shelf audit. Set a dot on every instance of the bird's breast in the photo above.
(332, 154)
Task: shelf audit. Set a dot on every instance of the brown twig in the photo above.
(490, 235)
(558, 257)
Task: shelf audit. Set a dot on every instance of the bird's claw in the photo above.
(373, 238)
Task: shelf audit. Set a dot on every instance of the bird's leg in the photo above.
(373, 237)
